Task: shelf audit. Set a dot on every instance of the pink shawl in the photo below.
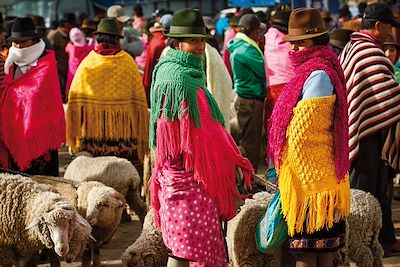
(208, 151)
(305, 62)
(32, 115)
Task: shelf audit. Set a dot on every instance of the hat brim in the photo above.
(291, 38)
(18, 39)
(186, 35)
(123, 19)
(337, 44)
(395, 23)
(392, 43)
(109, 33)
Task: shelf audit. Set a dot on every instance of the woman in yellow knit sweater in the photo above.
(309, 142)
(107, 110)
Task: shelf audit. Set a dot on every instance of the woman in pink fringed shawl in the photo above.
(193, 186)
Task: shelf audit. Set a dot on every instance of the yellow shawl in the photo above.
(310, 193)
(107, 102)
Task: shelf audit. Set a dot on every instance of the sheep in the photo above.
(362, 245)
(365, 222)
(149, 249)
(101, 206)
(242, 249)
(115, 172)
(104, 215)
(34, 218)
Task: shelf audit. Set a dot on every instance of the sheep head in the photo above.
(105, 207)
(79, 237)
(55, 224)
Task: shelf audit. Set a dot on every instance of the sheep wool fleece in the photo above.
(101, 108)
(310, 191)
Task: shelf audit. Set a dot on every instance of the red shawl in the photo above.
(209, 151)
(305, 62)
(32, 115)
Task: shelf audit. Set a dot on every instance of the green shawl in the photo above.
(176, 78)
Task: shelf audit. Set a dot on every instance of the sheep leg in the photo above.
(96, 257)
(24, 262)
(54, 261)
(136, 203)
(86, 258)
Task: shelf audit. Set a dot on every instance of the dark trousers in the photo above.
(369, 173)
(250, 118)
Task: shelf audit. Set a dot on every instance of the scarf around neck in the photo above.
(24, 57)
(111, 49)
(176, 78)
(247, 39)
(305, 62)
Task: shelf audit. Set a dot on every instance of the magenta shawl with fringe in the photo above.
(208, 151)
(305, 62)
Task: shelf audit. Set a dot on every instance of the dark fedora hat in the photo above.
(187, 22)
(108, 26)
(22, 29)
(281, 17)
(339, 37)
(304, 23)
(391, 41)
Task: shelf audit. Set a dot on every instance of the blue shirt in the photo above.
(318, 84)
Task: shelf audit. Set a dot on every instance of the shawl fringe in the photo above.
(316, 211)
(102, 122)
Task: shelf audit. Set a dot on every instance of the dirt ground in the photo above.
(127, 233)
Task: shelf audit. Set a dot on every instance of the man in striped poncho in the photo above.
(373, 98)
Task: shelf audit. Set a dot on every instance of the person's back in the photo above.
(59, 40)
(107, 111)
(77, 50)
(130, 41)
(373, 107)
(247, 62)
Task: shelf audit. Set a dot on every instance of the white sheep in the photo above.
(101, 206)
(149, 249)
(365, 222)
(33, 218)
(363, 247)
(115, 172)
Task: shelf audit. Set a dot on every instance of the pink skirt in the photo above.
(190, 222)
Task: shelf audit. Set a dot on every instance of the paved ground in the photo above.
(127, 234)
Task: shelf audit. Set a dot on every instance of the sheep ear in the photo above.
(118, 196)
(80, 220)
(121, 204)
(33, 224)
(91, 237)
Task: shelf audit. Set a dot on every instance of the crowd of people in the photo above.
(322, 96)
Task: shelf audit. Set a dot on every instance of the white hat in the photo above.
(118, 12)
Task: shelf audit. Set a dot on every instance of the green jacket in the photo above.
(247, 64)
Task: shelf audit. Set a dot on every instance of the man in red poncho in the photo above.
(32, 124)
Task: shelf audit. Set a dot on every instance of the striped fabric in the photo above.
(391, 147)
(2, 74)
(373, 95)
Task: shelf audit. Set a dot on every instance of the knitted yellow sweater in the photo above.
(107, 102)
(310, 194)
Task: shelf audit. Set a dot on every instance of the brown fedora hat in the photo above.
(305, 23)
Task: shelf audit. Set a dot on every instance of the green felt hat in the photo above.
(108, 26)
(187, 23)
